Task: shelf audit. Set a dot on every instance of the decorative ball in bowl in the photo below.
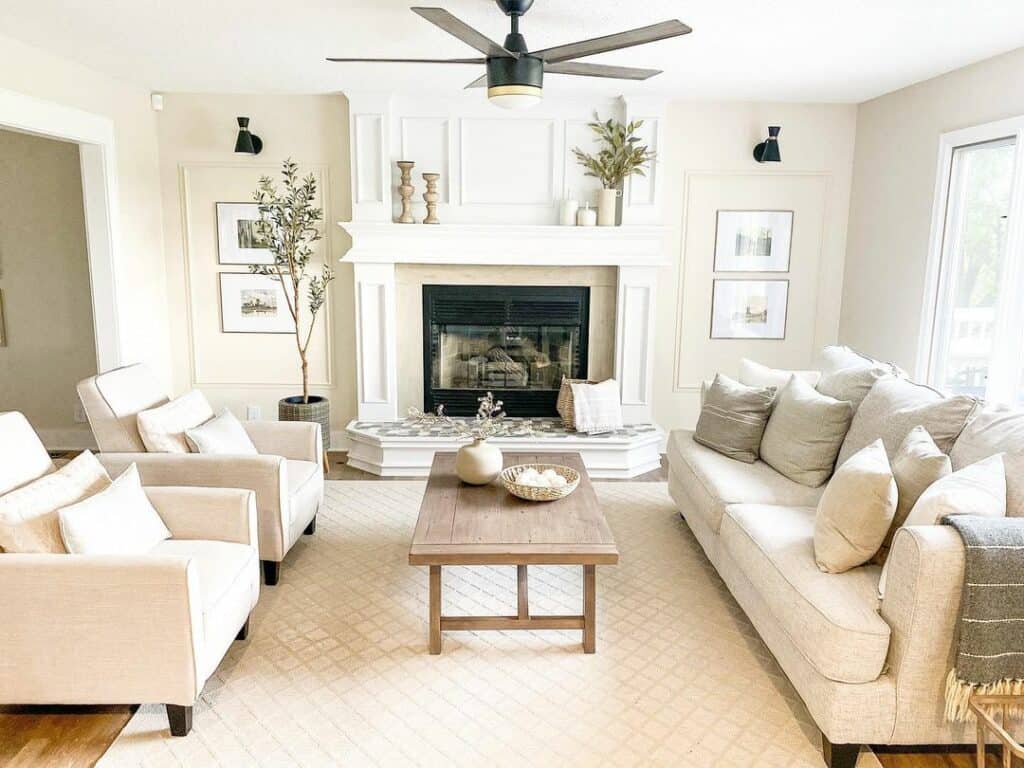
(540, 482)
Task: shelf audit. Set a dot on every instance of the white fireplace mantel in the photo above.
(638, 253)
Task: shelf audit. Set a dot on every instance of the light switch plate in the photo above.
(252, 413)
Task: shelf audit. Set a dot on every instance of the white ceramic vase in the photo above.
(478, 463)
(606, 202)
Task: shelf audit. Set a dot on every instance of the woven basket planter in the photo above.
(317, 410)
(565, 405)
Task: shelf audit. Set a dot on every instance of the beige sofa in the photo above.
(287, 476)
(870, 671)
(105, 629)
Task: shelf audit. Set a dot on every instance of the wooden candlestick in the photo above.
(405, 189)
(431, 197)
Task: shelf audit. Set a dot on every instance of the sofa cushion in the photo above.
(804, 433)
(756, 375)
(22, 456)
(992, 431)
(163, 428)
(29, 520)
(713, 481)
(895, 406)
(837, 357)
(978, 489)
(733, 417)
(831, 617)
(851, 384)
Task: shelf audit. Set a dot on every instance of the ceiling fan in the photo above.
(515, 74)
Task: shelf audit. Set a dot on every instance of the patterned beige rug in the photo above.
(336, 669)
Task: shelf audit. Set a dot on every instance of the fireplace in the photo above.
(515, 341)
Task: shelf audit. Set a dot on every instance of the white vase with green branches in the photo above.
(290, 223)
(619, 156)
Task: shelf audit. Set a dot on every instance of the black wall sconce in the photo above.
(247, 143)
(768, 150)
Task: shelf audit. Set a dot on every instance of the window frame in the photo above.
(936, 272)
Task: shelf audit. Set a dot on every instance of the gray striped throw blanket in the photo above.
(990, 646)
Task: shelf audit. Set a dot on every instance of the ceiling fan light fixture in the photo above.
(515, 96)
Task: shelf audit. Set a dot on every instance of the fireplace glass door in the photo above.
(515, 341)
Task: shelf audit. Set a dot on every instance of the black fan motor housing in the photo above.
(514, 7)
(526, 70)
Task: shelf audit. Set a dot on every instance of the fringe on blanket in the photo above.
(959, 692)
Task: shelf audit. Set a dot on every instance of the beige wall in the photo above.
(44, 281)
(893, 192)
(141, 287)
(709, 166)
(198, 168)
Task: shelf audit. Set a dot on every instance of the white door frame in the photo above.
(94, 135)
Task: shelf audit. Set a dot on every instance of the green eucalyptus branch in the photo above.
(620, 155)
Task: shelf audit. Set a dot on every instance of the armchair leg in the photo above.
(839, 755)
(271, 572)
(180, 719)
(311, 528)
(243, 633)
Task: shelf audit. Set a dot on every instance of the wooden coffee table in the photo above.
(463, 524)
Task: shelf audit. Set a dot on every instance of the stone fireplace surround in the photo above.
(389, 331)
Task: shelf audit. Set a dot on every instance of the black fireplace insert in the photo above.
(515, 341)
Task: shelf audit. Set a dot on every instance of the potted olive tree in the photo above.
(619, 156)
(289, 224)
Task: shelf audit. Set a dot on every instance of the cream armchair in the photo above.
(286, 477)
(104, 629)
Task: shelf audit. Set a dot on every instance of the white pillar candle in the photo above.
(567, 213)
(586, 216)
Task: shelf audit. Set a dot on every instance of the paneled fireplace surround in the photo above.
(614, 271)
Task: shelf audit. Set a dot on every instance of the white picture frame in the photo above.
(753, 241)
(749, 309)
(237, 237)
(253, 304)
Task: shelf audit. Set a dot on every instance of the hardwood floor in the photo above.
(76, 737)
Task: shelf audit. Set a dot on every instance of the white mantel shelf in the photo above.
(505, 244)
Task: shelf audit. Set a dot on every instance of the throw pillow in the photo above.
(804, 433)
(221, 434)
(163, 428)
(119, 520)
(855, 511)
(895, 406)
(979, 489)
(733, 418)
(28, 515)
(851, 384)
(996, 430)
(756, 375)
(916, 466)
(837, 357)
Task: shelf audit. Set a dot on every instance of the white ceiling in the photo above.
(793, 50)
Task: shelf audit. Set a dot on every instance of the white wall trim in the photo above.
(95, 136)
(949, 141)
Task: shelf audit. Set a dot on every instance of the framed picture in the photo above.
(238, 238)
(253, 304)
(749, 309)
(753, 241)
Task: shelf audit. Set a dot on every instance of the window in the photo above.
(974, 320)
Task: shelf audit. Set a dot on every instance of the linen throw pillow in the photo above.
(855, 511)
(28, 515)
(119, 520)
(895, 406)
(917, 465)
(221, 434)
(756, 375)
(979, 489)
(851, 384)
(837, 357)
(733, 418)
(163, 428)
(804, 433)
(996, 430)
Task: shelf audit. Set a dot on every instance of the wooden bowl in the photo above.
(539, 493)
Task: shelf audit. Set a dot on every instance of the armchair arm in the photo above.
(220, 514)
(298, 440)
(99, 629)
(921, 606)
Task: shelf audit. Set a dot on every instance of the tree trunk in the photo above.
(305, 378)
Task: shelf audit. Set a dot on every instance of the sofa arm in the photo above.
(99, 629)
(921, 605)
(299, 440)
(219, 514)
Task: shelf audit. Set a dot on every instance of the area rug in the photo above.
(336, 669)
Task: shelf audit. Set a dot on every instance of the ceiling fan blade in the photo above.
(464, 32)
(412, 61)
(661, 31)
(600, 70)
(480, 82)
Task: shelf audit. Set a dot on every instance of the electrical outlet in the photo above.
(252, 413)
(80, 417)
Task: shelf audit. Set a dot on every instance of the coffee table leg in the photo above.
(523, 592)
(589, 609)
(435, 609)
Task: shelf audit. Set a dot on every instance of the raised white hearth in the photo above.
(382, 443)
